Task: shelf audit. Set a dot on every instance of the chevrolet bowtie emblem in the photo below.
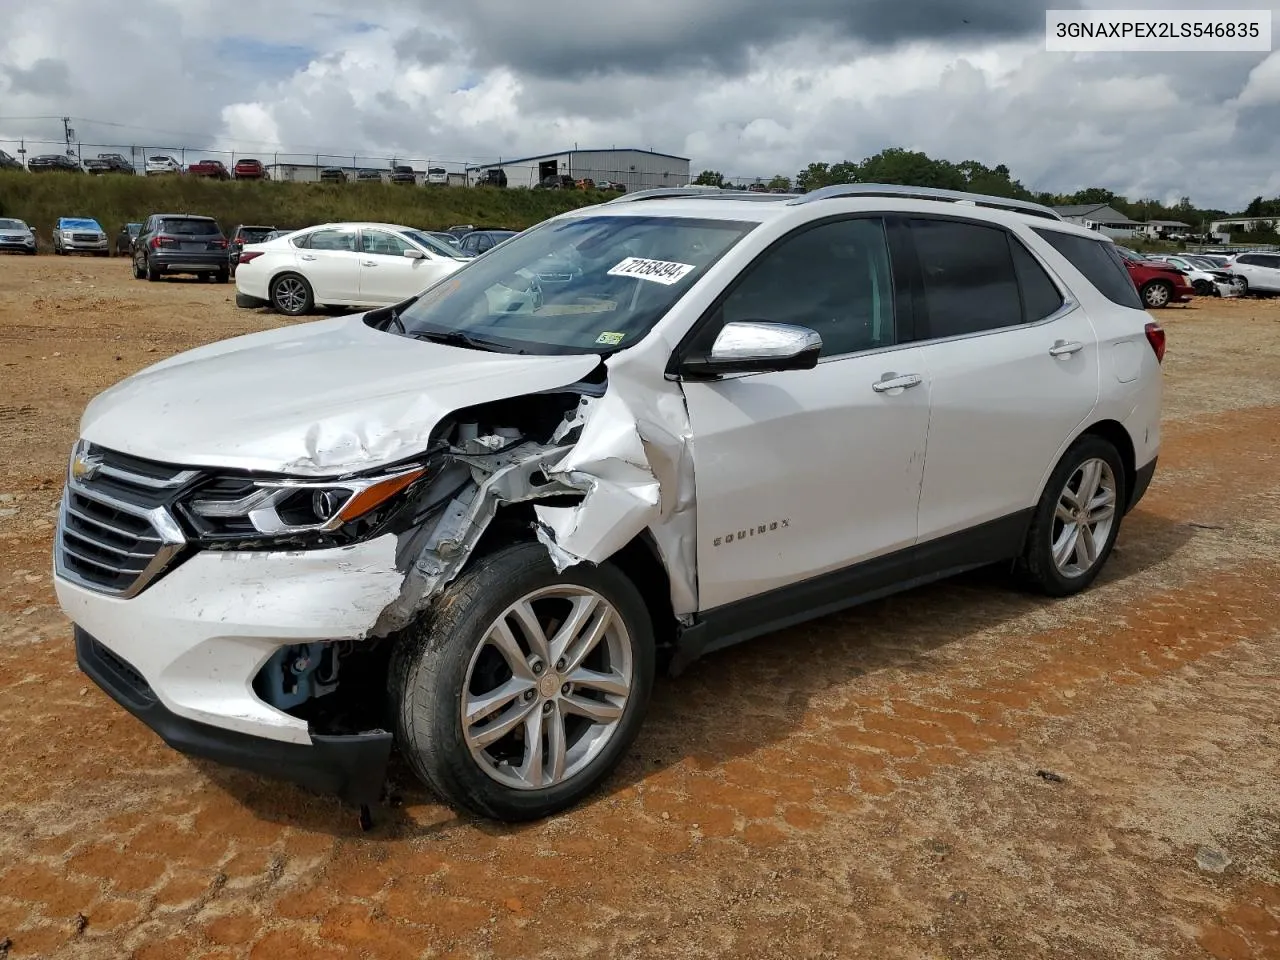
(84, 467)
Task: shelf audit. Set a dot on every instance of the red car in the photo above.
(214, 169)
(1159, 283)
(250, 170)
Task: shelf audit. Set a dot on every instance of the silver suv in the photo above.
(477, 522)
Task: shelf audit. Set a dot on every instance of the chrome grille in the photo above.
(85, 237)
(115, 531)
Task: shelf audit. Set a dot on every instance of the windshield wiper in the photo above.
(456, 338)
(393, 319)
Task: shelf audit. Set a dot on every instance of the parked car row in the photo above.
(565, 182)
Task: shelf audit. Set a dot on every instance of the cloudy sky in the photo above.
(748, 87)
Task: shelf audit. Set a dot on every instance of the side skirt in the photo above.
(734, 623)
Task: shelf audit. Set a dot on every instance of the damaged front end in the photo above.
(587, 470)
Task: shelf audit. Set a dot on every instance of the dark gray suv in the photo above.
(180, 243)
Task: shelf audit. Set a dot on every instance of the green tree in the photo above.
(779, 182)
(709, 178)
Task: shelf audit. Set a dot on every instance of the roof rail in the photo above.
(657, 193)
(928, 193)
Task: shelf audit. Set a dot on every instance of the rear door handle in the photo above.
(1064, 348)
(368, 263)
(308, 256)
(896, 381)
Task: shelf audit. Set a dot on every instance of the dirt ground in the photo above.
(962, 771)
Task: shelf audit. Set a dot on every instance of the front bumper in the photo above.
(78, 246)
(22, 246)
(195, 639)
(353, 767)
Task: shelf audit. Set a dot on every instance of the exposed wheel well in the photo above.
(639, 560)
(1115, 434)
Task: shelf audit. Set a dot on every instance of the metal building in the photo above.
(634, 169)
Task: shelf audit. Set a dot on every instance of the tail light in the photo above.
(158, 242)
(1155, 337)
(221, 243)
(248, 256)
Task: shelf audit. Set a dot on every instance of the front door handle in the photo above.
(1064, 348)
(897, 381)
(368, 263)
(308, 256)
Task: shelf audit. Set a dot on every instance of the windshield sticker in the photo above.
(609, 338)
(659, 271)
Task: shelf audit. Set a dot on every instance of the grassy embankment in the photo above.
(40, 199)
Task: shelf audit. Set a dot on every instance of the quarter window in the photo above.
(833, 278)
(1100, 263)
(970, 284)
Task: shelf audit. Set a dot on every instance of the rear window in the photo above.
(1100, 263)
(189, 228)
(254, 234)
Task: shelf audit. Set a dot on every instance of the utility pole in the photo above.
(22, 152)
(68, 134)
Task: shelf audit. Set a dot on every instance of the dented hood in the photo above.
(319, 399)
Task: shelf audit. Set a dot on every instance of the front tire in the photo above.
(1157, 294)
(1076, 523)
(291, 295)
(521, 689)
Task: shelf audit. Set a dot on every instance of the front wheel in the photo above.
(1157, 294)
(291, 295)
(522, 688)
(1077, 520)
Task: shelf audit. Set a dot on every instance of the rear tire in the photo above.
(291, 295)
(1086, 494)
(223, 276)
(455, 655)
(153, 272)
(1157, 294)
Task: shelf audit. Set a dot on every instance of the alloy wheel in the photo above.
(547, 687)
(291, 295)
(1084, 518)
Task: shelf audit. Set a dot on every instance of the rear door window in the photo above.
(342, 240)
(1100, 263)
(970, 284)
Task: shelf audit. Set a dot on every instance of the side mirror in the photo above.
(756, 346)
(415, 254)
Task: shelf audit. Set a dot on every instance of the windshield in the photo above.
(590, 285)
(434, 245)
(133, 228)
(12, 225)
(79, 223)
(254, 234)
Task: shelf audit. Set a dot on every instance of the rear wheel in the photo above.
(153, 272)
(1077, 520)
(1157, 294)
(291, 295)
(522, 688)
(223, 276)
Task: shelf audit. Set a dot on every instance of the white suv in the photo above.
(472, 523)
(1260, 271)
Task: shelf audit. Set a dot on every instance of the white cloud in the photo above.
(411, 84)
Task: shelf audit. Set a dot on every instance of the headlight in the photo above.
(246, 509)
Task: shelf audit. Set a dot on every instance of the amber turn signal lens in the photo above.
(378, 494)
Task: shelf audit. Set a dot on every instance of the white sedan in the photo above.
(342, 265)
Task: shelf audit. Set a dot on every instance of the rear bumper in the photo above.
(1141, 481)
(353, 767)
(191, 262)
